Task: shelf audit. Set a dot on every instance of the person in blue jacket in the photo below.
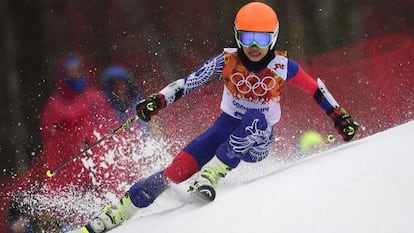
(120, 91)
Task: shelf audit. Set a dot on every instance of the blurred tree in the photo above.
(310, 27)
(21, 42)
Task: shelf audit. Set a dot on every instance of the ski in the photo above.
(94, 226)
(205, 192)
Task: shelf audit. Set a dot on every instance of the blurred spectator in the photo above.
(23, 218)
(120, 91)
(74, 117)
(123, 96)
(19, 219)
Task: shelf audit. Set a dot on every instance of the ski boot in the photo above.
(211, 174)
(110, 217)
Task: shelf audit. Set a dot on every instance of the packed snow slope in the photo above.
(363, 186)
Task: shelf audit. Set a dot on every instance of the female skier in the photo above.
(253, 74)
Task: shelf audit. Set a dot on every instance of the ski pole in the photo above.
(50, 173)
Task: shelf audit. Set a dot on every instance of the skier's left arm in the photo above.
(209, 70)
(343, 122)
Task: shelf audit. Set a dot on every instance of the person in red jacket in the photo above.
(253, 75)
(75, 116)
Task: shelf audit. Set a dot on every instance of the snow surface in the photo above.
(362, 186)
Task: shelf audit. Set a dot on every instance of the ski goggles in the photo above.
(260, 39)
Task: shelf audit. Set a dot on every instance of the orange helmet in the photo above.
(257, 17)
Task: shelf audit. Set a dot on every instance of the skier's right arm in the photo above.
(150, 106)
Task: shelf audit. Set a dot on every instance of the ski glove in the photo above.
(344, 123)
(150, 106)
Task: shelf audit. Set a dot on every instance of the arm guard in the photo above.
(324, 98)
(181, 87)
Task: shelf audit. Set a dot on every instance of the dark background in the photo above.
(159, 41)
(363, 50)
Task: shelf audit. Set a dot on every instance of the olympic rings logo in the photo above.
(253, 83)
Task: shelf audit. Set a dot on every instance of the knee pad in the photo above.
(183, 167)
